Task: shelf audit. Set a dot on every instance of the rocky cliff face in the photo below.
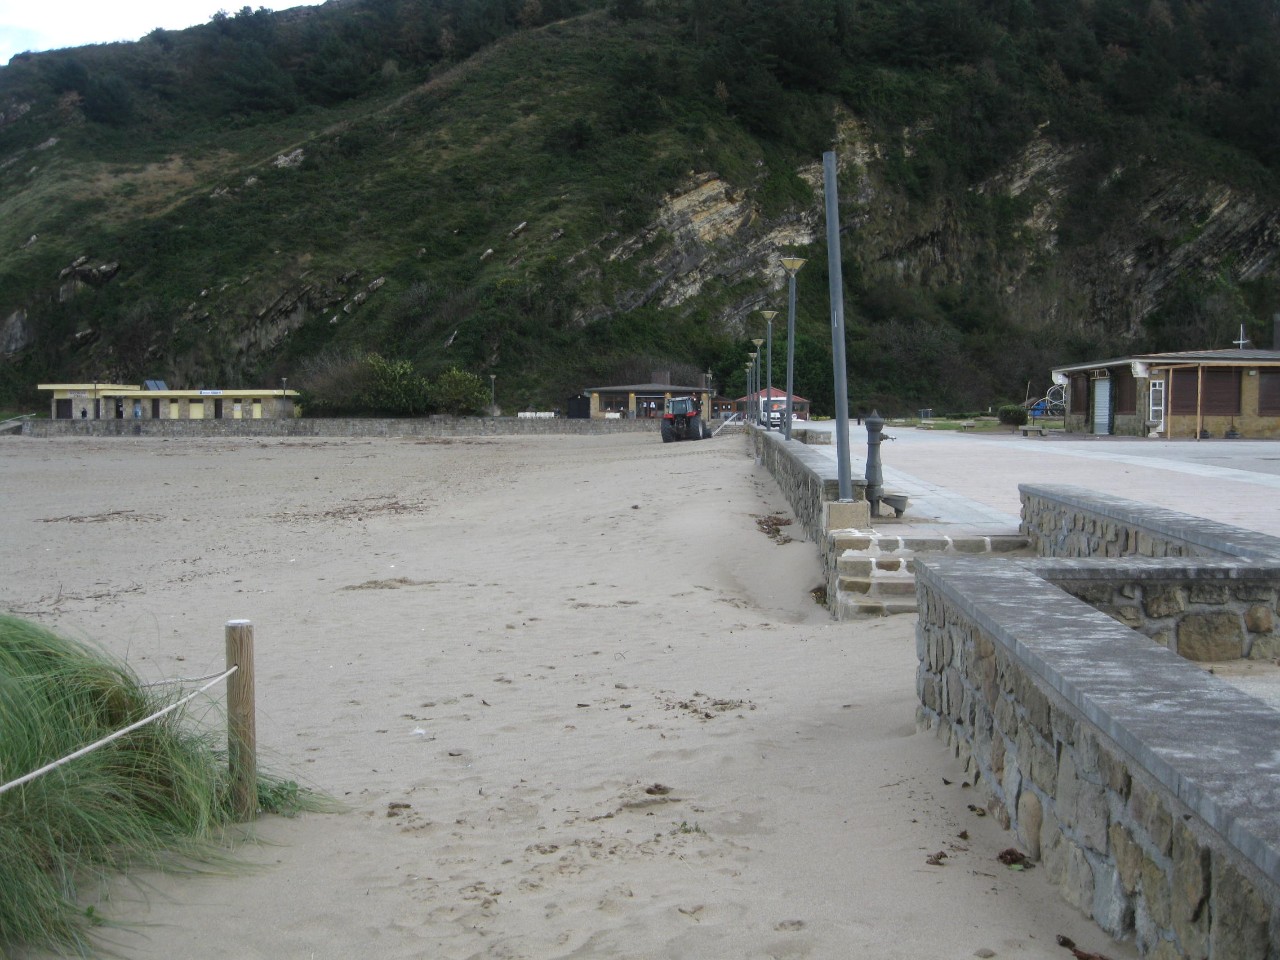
(707, 233)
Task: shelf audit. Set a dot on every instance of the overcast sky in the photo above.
(50, 24)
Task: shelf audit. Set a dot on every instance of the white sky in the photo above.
(51, 24)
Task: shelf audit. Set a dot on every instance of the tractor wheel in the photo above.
(668, 432)
(695, 428)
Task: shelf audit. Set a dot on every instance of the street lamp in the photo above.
(768, 317)
(493, 394)
(757, 356)
(792, 265)
(746, 407)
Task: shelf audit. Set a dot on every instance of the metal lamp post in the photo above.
(746, 410)
(768, 318)
(792, 265)
(493, 394)
(758, 356)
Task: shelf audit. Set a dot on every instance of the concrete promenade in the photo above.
(971, 480)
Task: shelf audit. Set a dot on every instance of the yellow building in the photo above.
(123, 401)
(641, 400)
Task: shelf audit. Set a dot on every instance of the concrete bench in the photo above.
(1029, 428)
(966, 425)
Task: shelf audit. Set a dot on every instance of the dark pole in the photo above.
(837, 325)
(792, 265)
(875, 476)
(768, 316)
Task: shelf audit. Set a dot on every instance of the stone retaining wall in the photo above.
(339, 427)
(1066, 521)
(807, 478)
(1146, 787)
(1207, 611)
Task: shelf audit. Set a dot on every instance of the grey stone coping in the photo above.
(1215, 748)
(1209, 534)
(1154, 569)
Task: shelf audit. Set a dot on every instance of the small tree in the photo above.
(458, 393)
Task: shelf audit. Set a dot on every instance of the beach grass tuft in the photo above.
(155, 798)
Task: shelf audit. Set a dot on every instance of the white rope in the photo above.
(181, 680)
(113, 736)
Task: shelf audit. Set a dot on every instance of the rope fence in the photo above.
(241, 738)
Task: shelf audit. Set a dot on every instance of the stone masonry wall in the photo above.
(1066, 521)
(339, 427)
(807, 478)
(1146, 787)
(1211, 611)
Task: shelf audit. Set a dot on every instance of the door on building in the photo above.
(62, 409)
(217, 409)
(1102, 406)
(1156, 417)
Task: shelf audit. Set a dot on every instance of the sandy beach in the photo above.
(576, 701)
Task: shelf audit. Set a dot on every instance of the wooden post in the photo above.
(241, 735)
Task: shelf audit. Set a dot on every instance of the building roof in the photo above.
(646, 388)
(1209, 358)
(769, 394)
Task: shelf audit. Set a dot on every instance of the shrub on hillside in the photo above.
(459, 393)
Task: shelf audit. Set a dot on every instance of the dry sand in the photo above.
(577, 702)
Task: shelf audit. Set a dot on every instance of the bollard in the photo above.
(241, 733)
(875, 476)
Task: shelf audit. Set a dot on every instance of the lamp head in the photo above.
(792, 265)
(757, 341)
(769, 314)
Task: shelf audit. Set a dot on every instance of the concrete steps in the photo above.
(874, 573)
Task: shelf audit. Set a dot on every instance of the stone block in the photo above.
(1127, 856)
(1081, 804)
(1130, 615)
(1156, 891)
(1207, 637)
(1212, 593)
(1152, 817)
(1005, 544)
(1189, 894)
(1112, 908)
(1241, 917)
(1030, 823)
(853, 565)
(1259, 618)
(1163, 601)
(1265, 648)
(925, 544)
(889, 563)
(846, 515)
(1256, 592)
(968, 545)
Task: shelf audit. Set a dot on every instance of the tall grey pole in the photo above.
(837, 325)
(791, 345)
(768, 420)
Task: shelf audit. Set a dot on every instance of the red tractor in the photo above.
(683, 420)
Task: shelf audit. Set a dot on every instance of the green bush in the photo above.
(1012, 414)
(457, 392)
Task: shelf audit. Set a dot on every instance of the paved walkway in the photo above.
(972, 479)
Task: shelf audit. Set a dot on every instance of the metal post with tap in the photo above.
(875, 476)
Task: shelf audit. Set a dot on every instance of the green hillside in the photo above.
(490, 185)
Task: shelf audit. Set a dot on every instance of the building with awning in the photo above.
(1190, 394)
(155, 401)
(642, 400)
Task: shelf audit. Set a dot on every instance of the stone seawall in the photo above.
(807, 478)
(339, 427)
(1146, 787)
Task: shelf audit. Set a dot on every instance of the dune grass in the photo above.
(155, 798)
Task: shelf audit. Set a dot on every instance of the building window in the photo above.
(1080, 393)
(1269, 391)
(1219, 396)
